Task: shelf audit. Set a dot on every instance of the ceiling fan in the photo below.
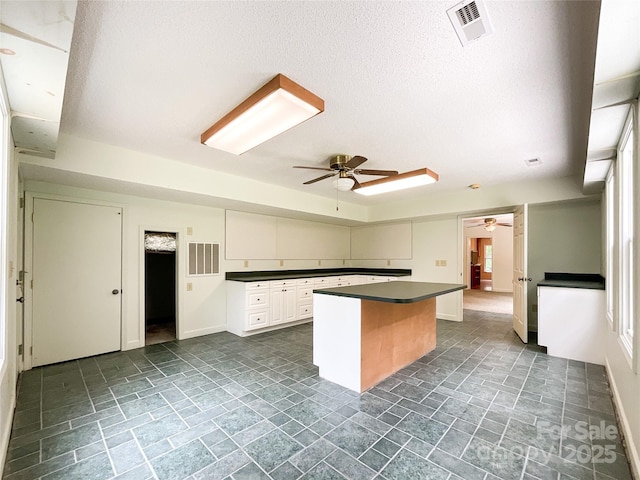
(346, 166)
(489, 224)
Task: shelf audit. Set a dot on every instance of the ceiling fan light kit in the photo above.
(415, 178)
(276, 107)
(344, 184)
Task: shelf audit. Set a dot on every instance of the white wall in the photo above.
(502, 241)
(201, 310)
(8, 270)
(430, 240)
(383, 241)
(283, 238)
(563, 237)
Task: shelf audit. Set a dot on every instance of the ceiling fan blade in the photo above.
(328, 175)
(356, 184)
(355, 162)
(314, 168)
(384, 173)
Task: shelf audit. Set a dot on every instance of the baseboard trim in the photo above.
(203, 331)
(631, 450)
(448, 316)
(501, 290)
(271, 329)
(133, 344)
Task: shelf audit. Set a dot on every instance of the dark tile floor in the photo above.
(480, 406)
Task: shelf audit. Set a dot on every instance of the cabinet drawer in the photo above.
(319, 282)
(305, 294)
(305, 311)
(256, 285)
(257, 298)
(279, 284)
(257, 319)
(301, 282)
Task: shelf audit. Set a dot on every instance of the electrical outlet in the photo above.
(281, 263)
(189, 230)
(246, 263)
(189, 286)
(388, 263)
(319, 262)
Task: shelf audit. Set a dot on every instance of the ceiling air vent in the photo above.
(470, 20)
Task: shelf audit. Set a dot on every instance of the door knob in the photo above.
(115, 291)
(520, 279)
(20, 300)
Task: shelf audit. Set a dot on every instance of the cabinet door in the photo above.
(277, 315)
(290, 303)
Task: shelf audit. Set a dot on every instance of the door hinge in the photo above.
(32, 214)
(31, 284)
(20, 349)
(31, 351)
(21, 202)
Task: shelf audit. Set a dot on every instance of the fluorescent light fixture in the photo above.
(275, 108)
(423, 176)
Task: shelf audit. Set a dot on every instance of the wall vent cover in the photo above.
(470, 20)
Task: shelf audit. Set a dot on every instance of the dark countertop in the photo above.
(258, 276)
(393, 292)
(591, 281)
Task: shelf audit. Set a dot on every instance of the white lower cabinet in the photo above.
(254, 306)
(283, 301)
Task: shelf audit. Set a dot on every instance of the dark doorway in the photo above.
(160, 287)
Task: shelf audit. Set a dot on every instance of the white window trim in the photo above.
(626, 270)
(610, 245)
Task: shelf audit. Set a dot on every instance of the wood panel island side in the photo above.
(364, 333)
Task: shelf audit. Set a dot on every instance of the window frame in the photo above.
(626, 200)
(611, 258)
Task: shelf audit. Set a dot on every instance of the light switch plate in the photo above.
(189, 287)
(189, 230)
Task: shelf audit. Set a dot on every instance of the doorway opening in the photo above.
(488, 259)
(160, 267)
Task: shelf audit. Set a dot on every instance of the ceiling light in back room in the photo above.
(273, 109)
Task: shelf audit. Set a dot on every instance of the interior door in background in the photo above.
(76, 280)
(520, 272)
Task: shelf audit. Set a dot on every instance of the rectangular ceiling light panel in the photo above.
(275, 108)
(416, 178)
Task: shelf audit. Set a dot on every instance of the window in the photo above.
(610, 254)
(625, 244)
(488, 258)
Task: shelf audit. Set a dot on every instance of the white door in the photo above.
(76, 280)
(520, 272)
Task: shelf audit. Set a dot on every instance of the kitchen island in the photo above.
(364, 333)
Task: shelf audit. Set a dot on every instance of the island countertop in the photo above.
(393, 292)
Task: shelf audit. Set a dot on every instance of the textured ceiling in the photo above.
(398, 86)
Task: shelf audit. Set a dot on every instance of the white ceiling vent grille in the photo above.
(470, 20)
